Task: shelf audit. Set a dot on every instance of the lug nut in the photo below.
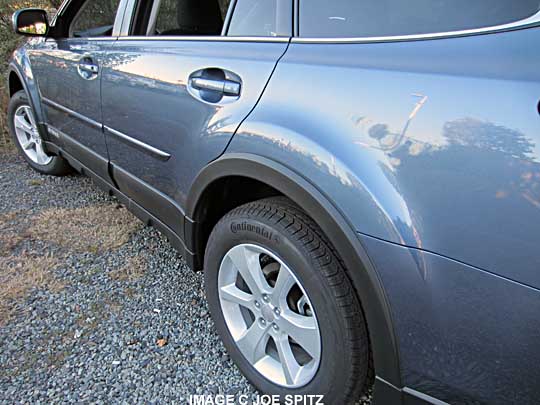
(257, 305)
(262, 322)
(276, 328)
(277, 312)
(265, 298)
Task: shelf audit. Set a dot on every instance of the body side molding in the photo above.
(139, 145)
(71, 113)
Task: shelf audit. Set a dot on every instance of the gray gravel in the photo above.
(94, 340)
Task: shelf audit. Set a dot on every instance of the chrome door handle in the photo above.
(227, 87)
(89, 67)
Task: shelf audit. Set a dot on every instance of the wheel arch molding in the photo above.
(15, 70)
(342, 234)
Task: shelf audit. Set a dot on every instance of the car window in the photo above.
(95, 19)
(187, 17)
(264, 18)
(380, 18)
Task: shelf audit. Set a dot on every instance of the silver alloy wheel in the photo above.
(269, 315)
(28, 136)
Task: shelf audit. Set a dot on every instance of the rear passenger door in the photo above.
(176, 86)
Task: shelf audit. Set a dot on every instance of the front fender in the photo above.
(20, 66)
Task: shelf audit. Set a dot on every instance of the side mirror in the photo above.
(31, 22)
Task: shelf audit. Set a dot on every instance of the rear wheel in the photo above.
(283, 304)
(25, 134)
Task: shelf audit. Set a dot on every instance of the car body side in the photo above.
(430, 149)
(420, 161)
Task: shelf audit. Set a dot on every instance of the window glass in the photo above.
(95, 19)
(264, 18)
(188, 17)
(374, 18)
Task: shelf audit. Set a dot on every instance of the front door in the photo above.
(68, 71)
(174, 95)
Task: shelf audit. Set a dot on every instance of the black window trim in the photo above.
(529, 22)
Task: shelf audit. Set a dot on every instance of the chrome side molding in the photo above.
(143, 147)
(70, 112)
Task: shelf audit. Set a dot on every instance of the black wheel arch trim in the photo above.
(13, 68)
(334, 224)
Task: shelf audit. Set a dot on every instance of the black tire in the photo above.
(57, 166)
(345, 370)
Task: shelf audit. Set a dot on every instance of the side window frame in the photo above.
(228, 18)
(285, 20)
(68, 12)
(128, 22)
(128, 18)
(529, 22)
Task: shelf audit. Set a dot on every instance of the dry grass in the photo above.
(132, 270)
(89, 229)
(10, 235)
(5, 141)
(21, 274)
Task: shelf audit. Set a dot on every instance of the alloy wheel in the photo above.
(269, 315)
(29, 137)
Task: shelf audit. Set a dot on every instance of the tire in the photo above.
(280, 228)
(35, 154)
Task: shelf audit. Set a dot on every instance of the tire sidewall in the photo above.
(334, 359)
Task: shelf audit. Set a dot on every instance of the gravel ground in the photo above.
(128, 324)
(95, 307)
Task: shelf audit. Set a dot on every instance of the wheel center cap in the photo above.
(268, 313)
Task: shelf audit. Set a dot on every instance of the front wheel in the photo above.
(25, 134)
(283, 304)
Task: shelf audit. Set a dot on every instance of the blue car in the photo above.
(359, 180)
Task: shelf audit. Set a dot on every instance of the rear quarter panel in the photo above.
(430, 149)
(428, 144)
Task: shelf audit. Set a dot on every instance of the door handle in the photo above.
(227, 87)
(87, 68)
(215, 86)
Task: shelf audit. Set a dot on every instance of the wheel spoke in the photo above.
(21, 123)
(247, 263)
(285, 281)
(233, 294)
(253, 343)
(27, 144)
(290, 366)
(304, 331)
(30, 116)
(41, 157)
